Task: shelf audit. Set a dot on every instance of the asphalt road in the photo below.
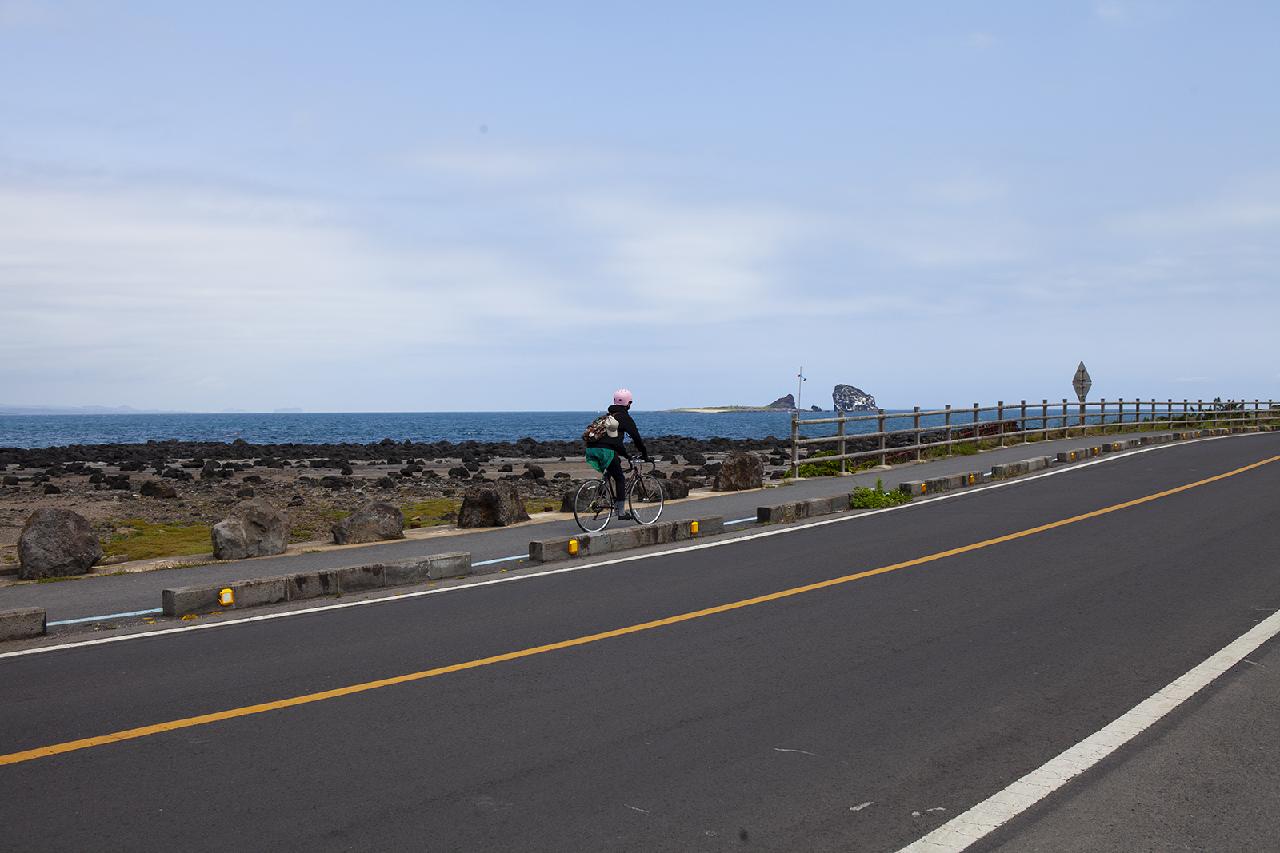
(852, 716)
(101, 595)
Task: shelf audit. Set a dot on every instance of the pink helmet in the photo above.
(622, 397)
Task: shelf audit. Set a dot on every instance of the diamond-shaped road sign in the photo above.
(1082, 383)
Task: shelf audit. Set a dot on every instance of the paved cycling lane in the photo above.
(924, 688)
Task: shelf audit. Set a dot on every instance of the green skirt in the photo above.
(600, 458)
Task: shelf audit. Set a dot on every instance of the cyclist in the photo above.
(603, 452)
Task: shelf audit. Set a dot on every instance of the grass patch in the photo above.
(877, 498)
(136, 539)
(829, 467)
(431, 512)
(434, 512)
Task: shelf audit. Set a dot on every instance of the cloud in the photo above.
(982, 40)
(1110, 11)
(488, 162)
(21, 14)
(1237, 213)
(688, 262)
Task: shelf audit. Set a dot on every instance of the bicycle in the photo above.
(593, 502)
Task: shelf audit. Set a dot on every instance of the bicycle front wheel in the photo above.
(592, 506)
(644, 498)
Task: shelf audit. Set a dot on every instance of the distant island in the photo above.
(720, 410)
(846, 398)
(81, 410)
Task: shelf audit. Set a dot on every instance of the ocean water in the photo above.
(56, 430)
(26, 431)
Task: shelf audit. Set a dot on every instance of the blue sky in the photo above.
(416, 206)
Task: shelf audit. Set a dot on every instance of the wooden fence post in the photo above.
(844, 463)
(915, 417)
(880, 429)
(795, 446)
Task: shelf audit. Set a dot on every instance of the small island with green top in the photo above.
(786, 403)
(844, 398)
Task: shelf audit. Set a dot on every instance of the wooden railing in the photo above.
(1021, 421)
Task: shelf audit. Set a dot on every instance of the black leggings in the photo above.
(614, 472)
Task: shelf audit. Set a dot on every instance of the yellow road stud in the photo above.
(693, 528)
(573, 547)
(226, 597)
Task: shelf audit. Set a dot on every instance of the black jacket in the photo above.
(626, 426)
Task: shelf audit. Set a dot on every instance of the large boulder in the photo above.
(495, 504)
(373, 522)
(157, 489)
(674, 489)
(56, 542)
(253, 529)
(740, 470)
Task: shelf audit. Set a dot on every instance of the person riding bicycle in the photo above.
(603, 452)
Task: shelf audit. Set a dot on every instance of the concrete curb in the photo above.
(949, 483)
(22, 624)
(1010, 470)
(256, 592)
(798, 510)
(622, 539)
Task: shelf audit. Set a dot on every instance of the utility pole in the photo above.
(800, 386)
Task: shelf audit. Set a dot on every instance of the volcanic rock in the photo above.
(740, 470)
(56, 542)
(373, 522)
(156, 489)
(673, 489)
(253, 529)
(787, 402)
(847, 398)
(494, 504)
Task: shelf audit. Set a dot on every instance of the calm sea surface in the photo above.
(56, 430)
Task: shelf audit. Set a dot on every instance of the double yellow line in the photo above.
(351, 690)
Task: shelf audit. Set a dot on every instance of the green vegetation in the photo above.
(136, 539)
(877, 498)
(829, 467)
(430, 512)
(433, 512)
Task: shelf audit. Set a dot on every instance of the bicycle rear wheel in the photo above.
(644, 498)
(592, 506)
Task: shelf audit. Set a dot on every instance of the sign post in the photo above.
(1082, 383)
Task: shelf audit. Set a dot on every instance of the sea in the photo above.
(28, 431)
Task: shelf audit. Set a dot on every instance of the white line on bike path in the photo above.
(995, 811)
(108, 616)
(775, 531)
(502, 560)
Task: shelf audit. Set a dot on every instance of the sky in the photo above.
(383, 206)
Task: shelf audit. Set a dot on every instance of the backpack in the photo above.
(596, 431)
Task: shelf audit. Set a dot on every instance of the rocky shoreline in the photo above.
(388, 450)
(176, 491)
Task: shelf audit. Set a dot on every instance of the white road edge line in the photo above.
(989, 815)
(577, 567)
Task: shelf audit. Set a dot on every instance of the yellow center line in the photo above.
(350, 690)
